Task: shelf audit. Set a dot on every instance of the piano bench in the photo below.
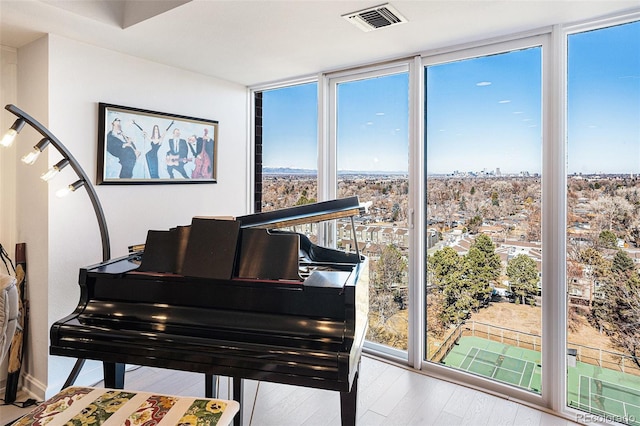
(88, 406)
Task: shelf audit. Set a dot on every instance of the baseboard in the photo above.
(32, 387)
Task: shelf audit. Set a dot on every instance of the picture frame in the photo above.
(138, 146)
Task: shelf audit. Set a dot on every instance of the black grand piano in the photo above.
(241, 298)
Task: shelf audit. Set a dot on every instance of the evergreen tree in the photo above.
(599, 271)
(304, 200)
(445, 269)
(622, 264)
(599, 267)
(607, 239)
(494, 199)
(623, 298)
(395, 212)
(474, 224)
(465, 282)
(482, 269)
(523, 277)
(484, 244)
(619, 311)
(462, 205)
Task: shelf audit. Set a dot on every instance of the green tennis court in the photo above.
(499, 367)
(509, 364)
(609, 400)
(604, 392)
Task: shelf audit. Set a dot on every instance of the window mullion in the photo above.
(554, 300)
(417, 267)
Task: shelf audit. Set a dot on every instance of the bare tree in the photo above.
(612, 212)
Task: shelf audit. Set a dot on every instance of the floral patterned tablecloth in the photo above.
(84, 406)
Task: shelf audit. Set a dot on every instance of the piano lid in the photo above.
(307, 213)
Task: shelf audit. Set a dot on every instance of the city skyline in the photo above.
(275, 171)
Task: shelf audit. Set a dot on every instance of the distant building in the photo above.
(432, 237)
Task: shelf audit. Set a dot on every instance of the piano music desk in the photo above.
(86, 406)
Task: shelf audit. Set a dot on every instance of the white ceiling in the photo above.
(259, 41)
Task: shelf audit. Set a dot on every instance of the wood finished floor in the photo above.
(388, 395)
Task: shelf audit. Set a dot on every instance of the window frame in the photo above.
(543, 41)
(559, 402)
(255, 134)
(554, 193)
(328, 178)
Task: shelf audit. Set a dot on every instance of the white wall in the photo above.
(8, 89)
(64, 94)
(31, 212)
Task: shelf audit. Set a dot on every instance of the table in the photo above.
(88, 406)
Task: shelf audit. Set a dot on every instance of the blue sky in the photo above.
(372, 125)
(604, 100)
(290, 129)
(373, 117)
(482, 114)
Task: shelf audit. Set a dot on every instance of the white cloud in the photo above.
(483, 83)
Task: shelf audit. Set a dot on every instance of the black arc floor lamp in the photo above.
(83, 181)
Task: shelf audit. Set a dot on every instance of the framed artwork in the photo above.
(137, 146)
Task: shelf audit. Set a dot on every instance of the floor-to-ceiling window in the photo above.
(484, 259)
(603, 223)
(372, 146)
(493, 131)
(286, 145)
(369, 159)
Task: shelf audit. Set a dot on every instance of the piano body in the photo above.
(279, 308)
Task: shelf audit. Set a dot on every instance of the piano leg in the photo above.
(210, 386)
(74, 373)
(113, 375)
(238, 388)
(348, 403)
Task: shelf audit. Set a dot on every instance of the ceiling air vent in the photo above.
(375, 17)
